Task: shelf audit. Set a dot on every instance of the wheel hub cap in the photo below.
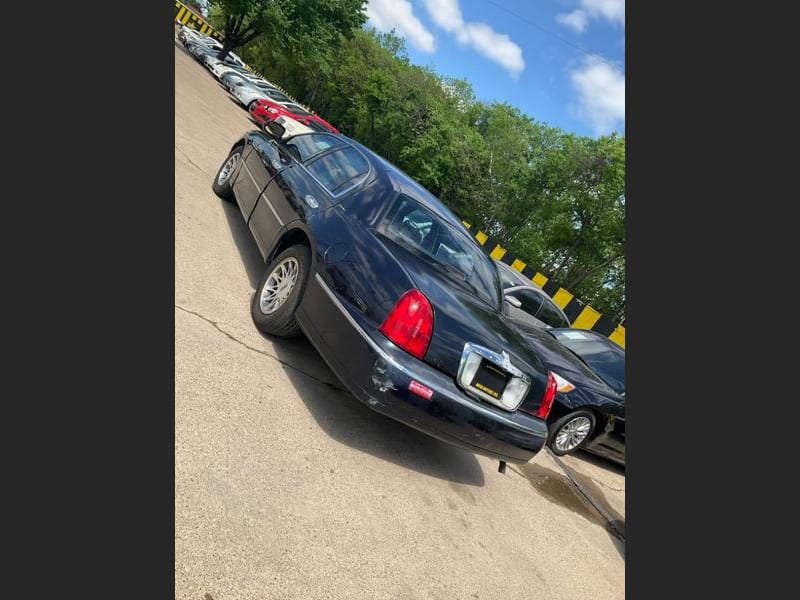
(279, 285)
(228, 168)
(573, 433)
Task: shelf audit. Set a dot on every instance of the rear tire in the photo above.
(571, 432)
(252, 106)
(279, 292)
(222, 180)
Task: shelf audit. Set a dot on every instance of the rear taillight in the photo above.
(410, 323)
(549, 396)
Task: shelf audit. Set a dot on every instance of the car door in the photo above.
(324, 170)
(267, 159)
(261, 162)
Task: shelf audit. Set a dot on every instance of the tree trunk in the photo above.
(576, 280)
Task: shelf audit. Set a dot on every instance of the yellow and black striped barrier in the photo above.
(581, 315)
(186, 16)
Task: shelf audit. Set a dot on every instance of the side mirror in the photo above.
(274, 129)
(513, 301)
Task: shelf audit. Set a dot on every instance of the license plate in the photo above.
(490, 379)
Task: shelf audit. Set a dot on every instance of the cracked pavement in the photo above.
(287, 487)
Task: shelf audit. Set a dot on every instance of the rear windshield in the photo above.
(601, 354)
(444, 247)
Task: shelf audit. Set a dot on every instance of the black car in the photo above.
(589, 409)
(391, 289)
(522, 294)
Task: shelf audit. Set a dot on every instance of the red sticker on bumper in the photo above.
(420, 390)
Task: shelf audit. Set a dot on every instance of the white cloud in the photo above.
(497, 47)
(386, 15)
(612, 11)
(577, 20)
(446, 14)
(601, 93)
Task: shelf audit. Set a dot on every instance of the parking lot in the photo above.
(287, 487)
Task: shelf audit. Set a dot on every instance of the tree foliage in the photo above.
(553, 198)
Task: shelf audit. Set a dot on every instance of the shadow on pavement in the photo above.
(245, 244)
(338, 412)
(558, 488)
(599, 462)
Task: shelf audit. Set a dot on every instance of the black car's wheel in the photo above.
(279, 292)
(222, 180)
(570, 432)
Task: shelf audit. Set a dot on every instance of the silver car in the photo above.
(526, 298)
(249, 93)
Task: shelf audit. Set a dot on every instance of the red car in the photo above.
(266, 110)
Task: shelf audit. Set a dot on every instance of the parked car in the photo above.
(521, 293)
(187, 34)
(292, 127)
(382, 278)
(230, 79)
(199, 50)
(211, 60)
(589, 409)
(220, 68)
(251, 92)
(266, 109)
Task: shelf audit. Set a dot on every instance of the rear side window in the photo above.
(412, 224)
(306, 146)
(340, 169)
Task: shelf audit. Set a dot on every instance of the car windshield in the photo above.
(298, 110)
(601, 354)
(444, 247)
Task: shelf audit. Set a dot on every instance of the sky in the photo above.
(562, 62)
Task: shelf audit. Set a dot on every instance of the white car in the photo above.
(189, 34)
(292, 127)
(249, 93)
(219, 68)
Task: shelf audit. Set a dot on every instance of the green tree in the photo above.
(290, 24)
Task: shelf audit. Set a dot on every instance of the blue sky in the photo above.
(508, 59)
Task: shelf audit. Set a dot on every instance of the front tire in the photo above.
(252, 106)
(279, 292)
(222, 180)
(571, 432)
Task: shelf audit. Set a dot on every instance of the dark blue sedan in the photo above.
(390, 288)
